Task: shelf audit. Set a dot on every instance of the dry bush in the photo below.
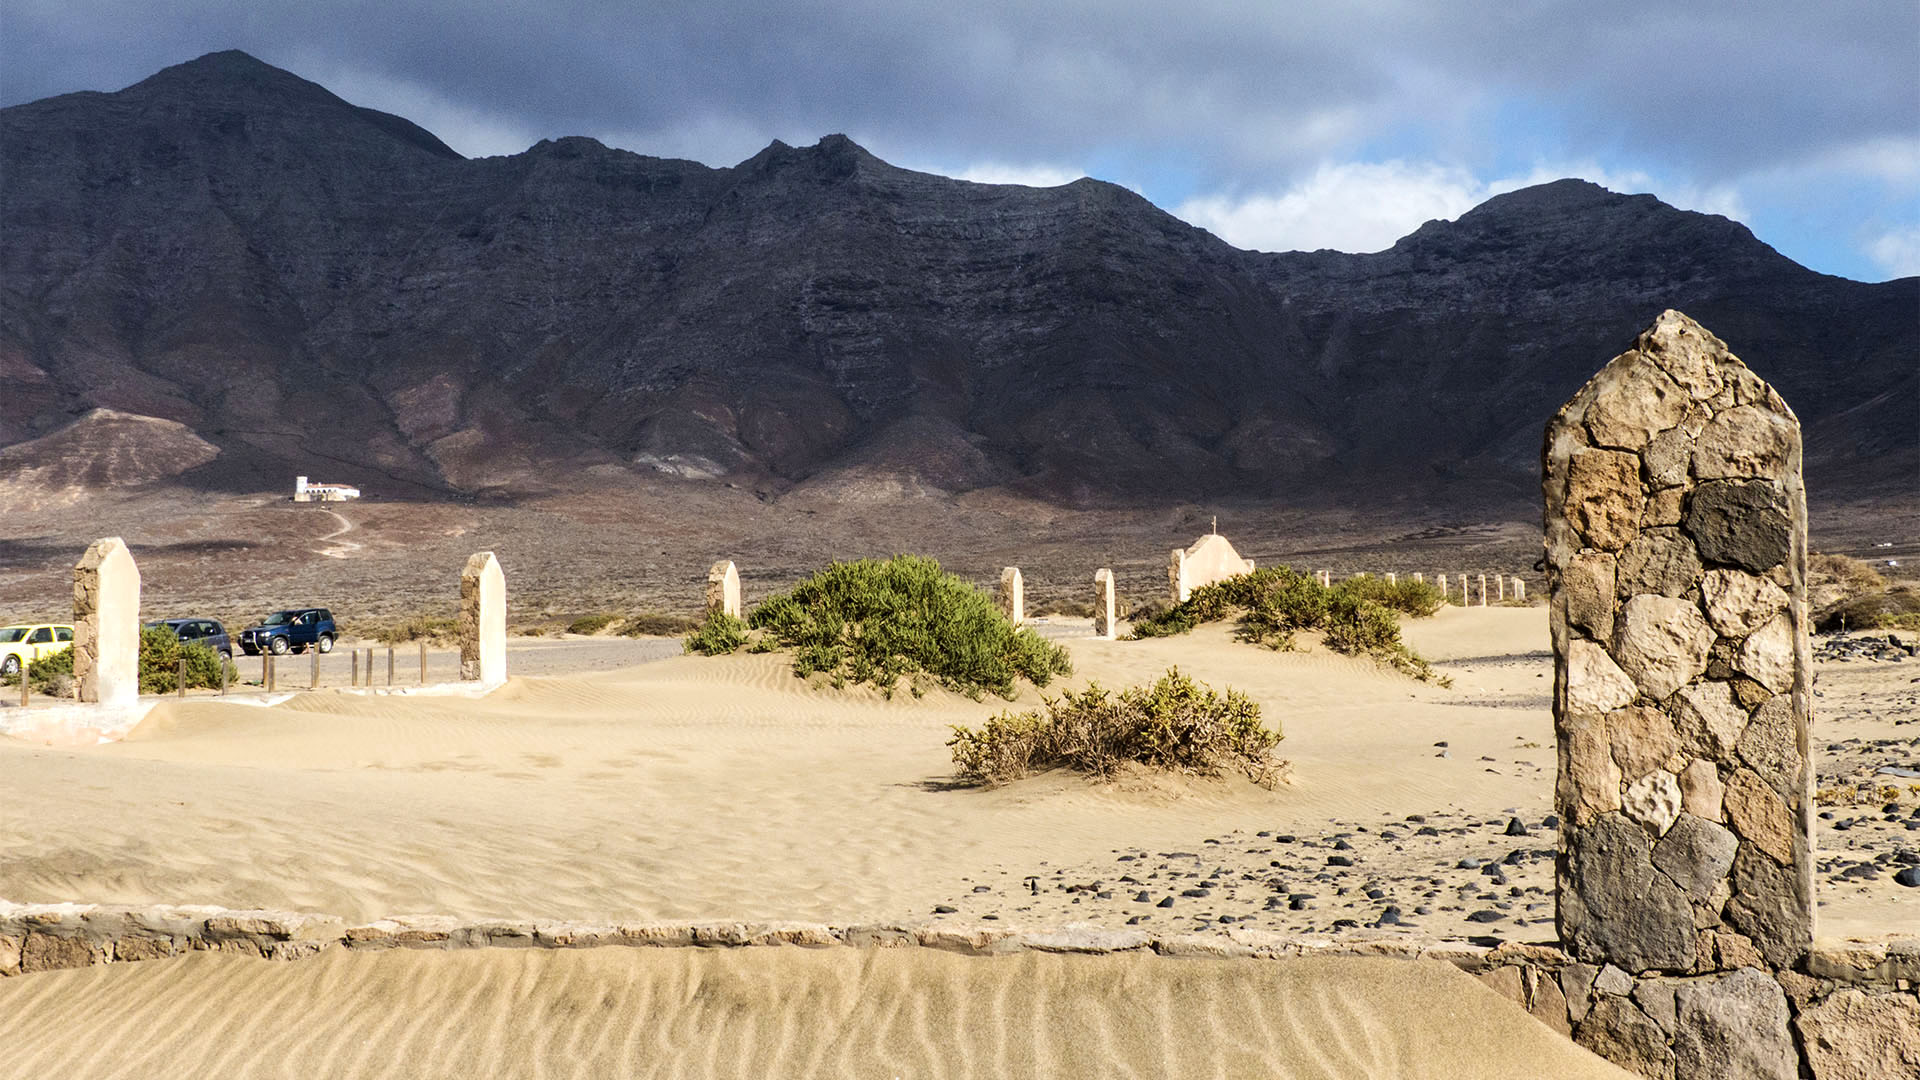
(1176, 725)
(656, 624)
(591, 624)
(1845, 593)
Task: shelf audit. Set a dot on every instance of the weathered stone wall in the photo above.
(106, 624)
(1013, 595)
(723, 589)
(1855, 1013)
(483, 620)
(1676, 563)
(1103, 618)
(1207, 560)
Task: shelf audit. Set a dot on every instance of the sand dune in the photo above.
(696, 788)
(773, 1012)
(722, 789)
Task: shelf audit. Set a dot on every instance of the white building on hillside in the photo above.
(305, 492)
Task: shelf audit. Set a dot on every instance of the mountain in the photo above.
(297, 280)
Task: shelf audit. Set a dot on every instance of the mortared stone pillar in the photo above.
(1676, 554)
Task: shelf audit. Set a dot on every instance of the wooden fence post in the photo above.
(356, 669)
(180, 679)
(423, 661)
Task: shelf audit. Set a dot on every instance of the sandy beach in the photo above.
(692, 788)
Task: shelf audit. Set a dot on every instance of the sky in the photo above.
(1278, 125)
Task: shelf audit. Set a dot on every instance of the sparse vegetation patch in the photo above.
(1177, 725)
(1359, 616)
(880, 620)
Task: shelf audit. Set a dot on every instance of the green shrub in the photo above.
(718, 636)
(1409, 597)
(879, 620)
(590, 624)
(1177, 725)
(50, 676)
(161, 652)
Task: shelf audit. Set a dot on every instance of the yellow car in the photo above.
(28, 643)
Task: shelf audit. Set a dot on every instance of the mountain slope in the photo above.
(295, 278)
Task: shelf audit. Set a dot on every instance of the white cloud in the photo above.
(473, 132)
(1366, 206)
(997, 172)
(1354, 206)
(1897, 251)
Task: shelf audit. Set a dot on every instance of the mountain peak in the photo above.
(234, 78)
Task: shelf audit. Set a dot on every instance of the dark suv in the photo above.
(288, 631)
(206, 632)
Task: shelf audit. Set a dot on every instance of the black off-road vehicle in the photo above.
(288, 631)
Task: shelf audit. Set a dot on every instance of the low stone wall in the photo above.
(1850, 1012)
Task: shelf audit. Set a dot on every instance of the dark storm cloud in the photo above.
(1232, 97)
(1721, 86)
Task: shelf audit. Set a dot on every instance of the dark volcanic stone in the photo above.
(1621, 910)
(1770, 905)
(1743, 523)
(1696, 854)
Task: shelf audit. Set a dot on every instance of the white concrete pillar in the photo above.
(1103, 621)
(483, 620)
(1013, 595)
(106, 624)
(723, 588)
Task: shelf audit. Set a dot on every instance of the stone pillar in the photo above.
(1326, 579)
(1676, 573)
(1177, 590)
(1392, 579)
(1483, 590)
(1013, 595)
(1519, 590)
(1419, 578)
(106, 624)
(1103, 623)
(483, 621)
(1500, 586)
(723, 589)
(1441, 579)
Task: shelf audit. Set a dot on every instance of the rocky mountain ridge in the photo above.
(304, 283)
